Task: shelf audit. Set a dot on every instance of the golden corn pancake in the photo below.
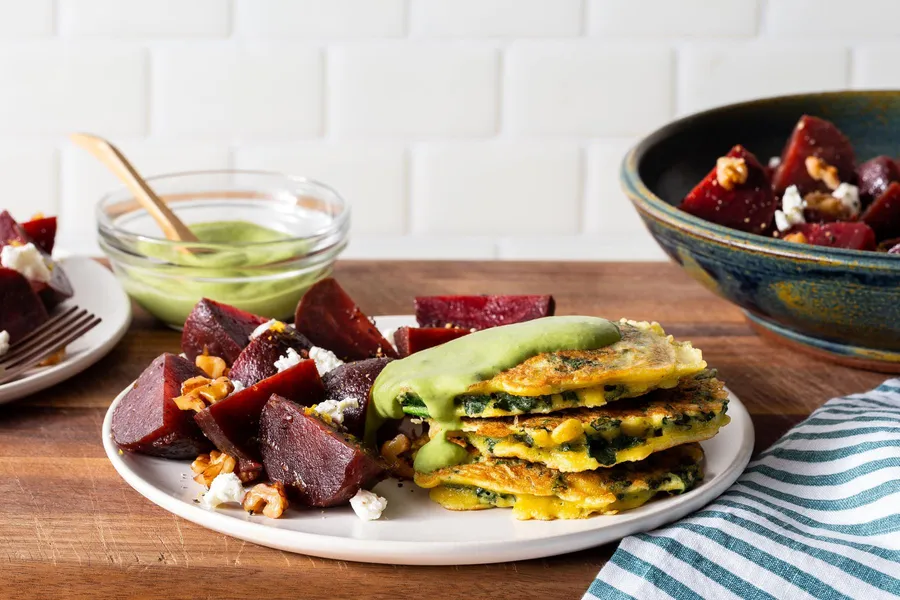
(589, 438)
(538, 492)
(644, 359)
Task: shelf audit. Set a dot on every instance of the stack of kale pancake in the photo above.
(572, 433)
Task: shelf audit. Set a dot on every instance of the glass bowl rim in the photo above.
(336, 226)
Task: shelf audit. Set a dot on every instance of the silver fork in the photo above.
(60, 331)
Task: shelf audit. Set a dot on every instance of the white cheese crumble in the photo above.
(848, 194)
(288, 360)
(4, 342)
(334, 409)
(27, 260)
(774, 162)
(791, 213)
(225, 488)
(237, 385)
(325, 359)
(368, 506)
(263, 328)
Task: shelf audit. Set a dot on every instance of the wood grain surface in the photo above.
(70, 527)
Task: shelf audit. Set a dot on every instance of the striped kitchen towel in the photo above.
(817, 515)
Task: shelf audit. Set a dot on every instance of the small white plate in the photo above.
(416, 531)
(97, 290)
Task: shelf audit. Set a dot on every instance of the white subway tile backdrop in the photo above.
(455, 128)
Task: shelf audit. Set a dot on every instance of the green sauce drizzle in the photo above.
(440, 374)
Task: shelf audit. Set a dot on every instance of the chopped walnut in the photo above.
(199, 392)
(54, 359)
(820, 170)
(731, 171)
(392, 451)
(270, 499)
(207, 467)
(828, 205)
(797, 237)
(213, 366)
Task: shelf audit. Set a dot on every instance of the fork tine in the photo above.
(37, 334)
(49, 342)
(61, 342)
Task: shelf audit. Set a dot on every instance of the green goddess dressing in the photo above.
(440, 374)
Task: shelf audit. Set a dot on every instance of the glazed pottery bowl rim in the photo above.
(655, 207)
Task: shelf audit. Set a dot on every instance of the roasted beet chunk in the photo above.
(854, 236)
(330, 319)
(735, 194)
(318, 465)
(233, 423)
(218, 329)
(410, 340)
(816, 137)
(883, 215)
(58, 288)
(42, 231)
(481, 312)
(257, 360)
(21, 310)
(875, 176)
(148, 421)
(353, 380)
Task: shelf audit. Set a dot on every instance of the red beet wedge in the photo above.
(875, 176)
(410, 340)
(42, 231)
(841, 234)
(318, 465)
(148, 421)
(257, 361)
(748, 206)
(817, 137)
(233, 423)
(354, 380)
(481, 312)
(21, 310)
(883, 215)
(58, 288)
(330, 319)
(218, 329)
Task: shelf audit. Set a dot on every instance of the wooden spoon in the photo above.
(116, 162)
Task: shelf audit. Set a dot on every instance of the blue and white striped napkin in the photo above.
(817, 515)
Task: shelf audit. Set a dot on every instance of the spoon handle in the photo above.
(110, 156)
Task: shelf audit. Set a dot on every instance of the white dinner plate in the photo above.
(97, 290)
(416, 531)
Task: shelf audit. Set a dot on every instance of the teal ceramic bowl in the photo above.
(836, 303)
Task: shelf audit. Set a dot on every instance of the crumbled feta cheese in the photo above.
(774, 162)
(237, 385)
(334, 409)
(791, 213)
(325, 359)
(27, 260)
(4, 342)
(368, 506)
(389, 336)
(288, 360)
(848, 194)
(264, 328)
(225, 488)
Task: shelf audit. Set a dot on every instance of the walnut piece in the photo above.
(392, 451)
(828, 205)
(820, 170)
(797, 237)
(199, 392)
(270, 499)
(207, 467)
(213, 366)
(731, 171)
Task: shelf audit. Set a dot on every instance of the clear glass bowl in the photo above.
(265, 277)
